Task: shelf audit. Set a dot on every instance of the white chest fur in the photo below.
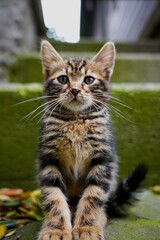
(74, 151)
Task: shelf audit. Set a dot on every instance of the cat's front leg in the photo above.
(57, 220)
(57, 223)
(90, 218)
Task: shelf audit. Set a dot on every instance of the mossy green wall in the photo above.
(91, 45)
(18, 141)
(27, 69)
(138, 142)
(139, 70)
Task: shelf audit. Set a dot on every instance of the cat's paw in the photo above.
(87, 233)
(55, 235)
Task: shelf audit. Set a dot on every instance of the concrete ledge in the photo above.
(136, 86)
(136, 142)
(34, 87)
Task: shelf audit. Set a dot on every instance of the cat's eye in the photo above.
(63, 79)
(89, 80)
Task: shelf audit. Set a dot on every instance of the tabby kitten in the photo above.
(77, 164)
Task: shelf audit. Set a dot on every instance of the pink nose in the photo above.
(75, 91)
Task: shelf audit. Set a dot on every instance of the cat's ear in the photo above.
(50, 57)
(105, 59)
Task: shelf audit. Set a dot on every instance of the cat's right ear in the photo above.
(50, 57)
(105, 59)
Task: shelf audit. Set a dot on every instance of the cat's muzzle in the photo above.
(75, 91)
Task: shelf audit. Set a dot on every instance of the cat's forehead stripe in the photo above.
(76, 65)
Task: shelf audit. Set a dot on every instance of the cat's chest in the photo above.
(73, 149)
(75, 131)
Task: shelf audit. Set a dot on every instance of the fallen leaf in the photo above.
(24, 207)
(8, 224)
(36, 195)
(156, 189)
(25, 195)
(11, 213)
(9, 204)
(11, 192)
(3, 230)
(23, 210)
(10, 233)
(4, 198)
(31, 214)
(22, 222)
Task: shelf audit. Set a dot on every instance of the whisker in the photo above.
(115, 109)
(108, 97)
(116, 98)
(100, 102)
(123, 105)
(61, 107)
(31, 113)
(52, 111)
(47, 107)
(97, 106)
(33, 99)
(101, 97)
(116, 101)
(54, 104)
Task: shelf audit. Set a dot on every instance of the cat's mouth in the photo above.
(76, 99)
(76, 103)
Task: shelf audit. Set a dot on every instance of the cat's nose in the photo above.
(75, 91)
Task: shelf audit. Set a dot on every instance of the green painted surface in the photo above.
(27, 69)
(142, 223)
(136, 142)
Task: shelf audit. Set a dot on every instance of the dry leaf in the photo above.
(10, 233)
(156, 189)
(4, 198)
(11, 192)
(3, 230)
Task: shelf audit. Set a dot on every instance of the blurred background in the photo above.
(25, 22)
(80, 27)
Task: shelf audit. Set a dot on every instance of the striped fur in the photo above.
(77, 163)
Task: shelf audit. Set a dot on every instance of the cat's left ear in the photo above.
(50, 57)
(105, 59)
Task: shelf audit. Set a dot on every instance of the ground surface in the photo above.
(143, 223)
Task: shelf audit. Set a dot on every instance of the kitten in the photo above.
(77, 165)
